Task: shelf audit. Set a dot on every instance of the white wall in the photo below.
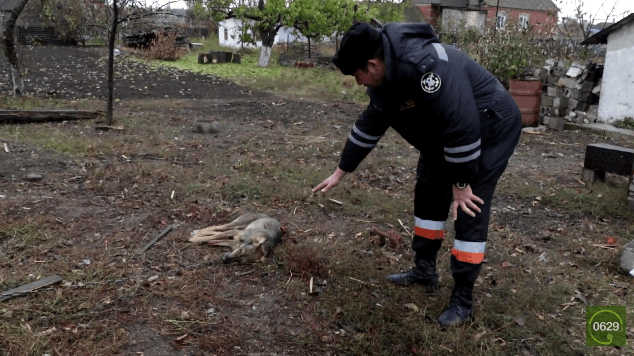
(617, 89)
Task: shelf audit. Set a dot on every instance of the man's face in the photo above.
(372, 75)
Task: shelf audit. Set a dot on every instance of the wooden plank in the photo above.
(22, 116)
(15, 292)
(158, 237)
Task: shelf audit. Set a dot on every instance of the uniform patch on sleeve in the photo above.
(430, 82)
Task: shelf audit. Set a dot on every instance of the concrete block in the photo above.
(555, 91)
(551, 62)
(540, 73)
(588, 75)
(584, 96)
(593, 110)
(570, 83)
(558, 71)
(560, 112)
(560, 102)
(580, 116)
(574, 72)
(591, 118)
(551, 79)
(579, 64)
(572, 103)
(573, 93)
(584, 86)
(547, 100)
(545, 111)
(590, 175)
(561, 82)
(630, 203)
(581, 106)
(545, 120)
(556, 123)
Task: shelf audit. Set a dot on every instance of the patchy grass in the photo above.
(316, 83)
(627, 123)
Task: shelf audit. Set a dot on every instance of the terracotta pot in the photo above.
(527, 95)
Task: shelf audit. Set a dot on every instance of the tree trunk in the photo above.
(268, 38)
(265, 56)
(111, 42)
(9, 49)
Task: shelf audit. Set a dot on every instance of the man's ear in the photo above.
(372, 63)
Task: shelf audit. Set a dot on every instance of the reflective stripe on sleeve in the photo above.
(359, 143)
(465, 148)
(470, 252)
(433, 230)
(463, 159)
(364, 135)
(442, 54)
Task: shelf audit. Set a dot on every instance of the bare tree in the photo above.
(579, 25)
(9, 48)
(106, 18)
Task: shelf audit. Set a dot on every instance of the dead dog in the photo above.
(252, 236)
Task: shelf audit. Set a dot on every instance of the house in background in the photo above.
(229, 32)
(617, 88)
(481, 13)
(6, 6)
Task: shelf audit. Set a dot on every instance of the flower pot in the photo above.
(527, 95)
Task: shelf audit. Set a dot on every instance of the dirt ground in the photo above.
(95, 206)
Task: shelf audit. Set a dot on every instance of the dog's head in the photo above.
(255, 248)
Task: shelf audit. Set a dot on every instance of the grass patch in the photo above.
(627, 123)
(316, 83)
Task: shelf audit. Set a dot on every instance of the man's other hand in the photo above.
(464, 199)
(331, 181)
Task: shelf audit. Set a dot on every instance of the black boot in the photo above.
(460, 308)
(423, 273)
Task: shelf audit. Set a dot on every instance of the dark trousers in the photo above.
(433, 197)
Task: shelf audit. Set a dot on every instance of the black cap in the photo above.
(358, 45)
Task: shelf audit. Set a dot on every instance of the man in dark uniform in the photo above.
(463, 122)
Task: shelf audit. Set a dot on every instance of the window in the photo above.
(226, 34)
(524, 21)
(501, 21)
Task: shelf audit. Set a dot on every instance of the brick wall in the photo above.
(430, 13)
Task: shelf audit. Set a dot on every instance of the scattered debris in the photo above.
(25, 116)
(335, 201)
(581, 297)
(360, 281)
(206, 127)
(394, 238)
(6, 147)
(627, 258)
(411, 306)
(33, 177)
(158, 237)
(108, 128)
(30, 287)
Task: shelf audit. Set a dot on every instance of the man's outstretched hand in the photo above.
(464, 199)
(331, 181)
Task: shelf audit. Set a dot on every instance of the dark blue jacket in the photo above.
(440, 101)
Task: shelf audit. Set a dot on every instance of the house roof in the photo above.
(8, 5)
(542, 5)
(602, 37)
